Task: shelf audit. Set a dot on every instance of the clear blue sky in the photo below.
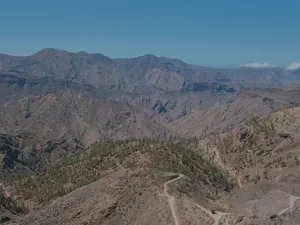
(211, 32)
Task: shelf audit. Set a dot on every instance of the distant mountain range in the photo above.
(147, 73)
(162, 85)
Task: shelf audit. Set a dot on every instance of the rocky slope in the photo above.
(169, 107)
(59, 123)
(224, 117)
(15, 86)
(81, 67)
(72, 115)
(264, 156)
(29, 152)
(39, 131)
(113, 181)
(246, 176)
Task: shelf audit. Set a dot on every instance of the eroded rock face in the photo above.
(9, 150)
(71, 115)
(24, 152)
(223, 117)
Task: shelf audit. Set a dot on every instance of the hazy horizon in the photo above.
(215, 33)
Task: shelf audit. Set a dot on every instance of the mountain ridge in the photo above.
(161, 78)
(130, 70)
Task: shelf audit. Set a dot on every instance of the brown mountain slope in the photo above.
(79, 67)
(261, 157)
(120, 181)
(261, 145)
(264, 156)
(15, 86)
(168, 107)
(249, 103)
(130, 197)
(27, 151)
(40, 131)
(72, 115)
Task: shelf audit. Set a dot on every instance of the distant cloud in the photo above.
(259, 65)
(293, 66)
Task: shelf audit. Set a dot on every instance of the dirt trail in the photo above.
(292, 200)
(171, 199)
(216, 216)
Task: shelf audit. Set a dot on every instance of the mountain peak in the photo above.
(149, 56)
(50, 51)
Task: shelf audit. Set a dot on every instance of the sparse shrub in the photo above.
(297, 160)
(11, 205)
(257, 178)
(83, 168)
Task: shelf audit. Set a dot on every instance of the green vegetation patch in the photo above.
(86, 167)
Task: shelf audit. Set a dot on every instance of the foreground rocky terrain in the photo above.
(124, 179)
(248, 175)
(264, 156)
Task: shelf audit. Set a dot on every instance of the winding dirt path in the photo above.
(171, 199)
(292, 200)
(217, 216)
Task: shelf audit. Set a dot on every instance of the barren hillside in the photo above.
(224, 117)
(72, 115)
(246, 176)
(264, 156)
(118, 180)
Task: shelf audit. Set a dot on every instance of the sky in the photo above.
(219, 33)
